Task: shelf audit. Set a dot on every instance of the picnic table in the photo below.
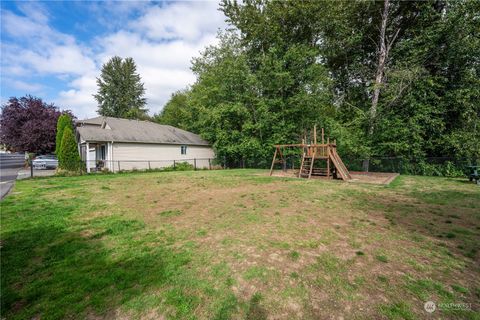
(473, 174)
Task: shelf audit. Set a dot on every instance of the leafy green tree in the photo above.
(69, 157)
(176, 112)
(63, 121)
(243, 111)
(120, 90)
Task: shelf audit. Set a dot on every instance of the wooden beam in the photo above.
(289, 145)
(311, 165)
(282, 159)
(301, 165)
(328, 161)
(299, 145)
(273, 161)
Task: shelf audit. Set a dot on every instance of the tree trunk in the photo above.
(382, 57)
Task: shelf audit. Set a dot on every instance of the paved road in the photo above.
(10, 163)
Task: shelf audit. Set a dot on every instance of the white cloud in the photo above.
(32, 30)
(172, 54)
(79, 98)
(162, 41)
(13, 69)
(40, 48)
(163, 66)
(103, 11)
(188, 21)
(28, 87)
(35, 11)
(58, 59)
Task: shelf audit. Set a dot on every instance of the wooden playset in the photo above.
(317, 159)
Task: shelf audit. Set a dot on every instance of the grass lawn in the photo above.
(238, 244)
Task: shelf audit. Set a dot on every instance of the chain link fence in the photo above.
(432, 166)
(144, 165)
(116, 166)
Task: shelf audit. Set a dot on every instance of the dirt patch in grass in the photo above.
(383, 178)
(373, 177)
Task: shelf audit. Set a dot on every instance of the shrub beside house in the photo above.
(66, 145)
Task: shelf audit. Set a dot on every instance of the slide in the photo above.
(338, 163)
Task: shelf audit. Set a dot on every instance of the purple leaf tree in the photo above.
(29, 124)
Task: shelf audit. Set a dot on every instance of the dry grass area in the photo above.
(239, 244)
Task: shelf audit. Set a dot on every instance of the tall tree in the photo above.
(63, 121)
(244, 103)
(120, 90)
(384, 46)
(29, 124)
(69, 156)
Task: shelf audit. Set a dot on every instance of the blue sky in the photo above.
(54, 50)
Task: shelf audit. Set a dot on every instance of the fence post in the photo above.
(118, 166)
(195, 164)
(174, 164)
(209, 164)
(31, 168)
(149, 168)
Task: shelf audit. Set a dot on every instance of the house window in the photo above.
(183, 149)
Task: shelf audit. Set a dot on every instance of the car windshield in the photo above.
(52, 157)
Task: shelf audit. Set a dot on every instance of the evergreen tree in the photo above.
(120, 90)
(69, 157)
(63, 121)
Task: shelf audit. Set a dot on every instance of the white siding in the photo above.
(143, 156)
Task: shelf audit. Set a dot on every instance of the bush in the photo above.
(184, 166)
(181, 166)
(69, 157)
(447, 169)
(67, 173)
(424, 167)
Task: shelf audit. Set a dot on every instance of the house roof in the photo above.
(125, 130)
(95, 121)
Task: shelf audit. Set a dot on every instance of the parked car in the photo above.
(45, 162)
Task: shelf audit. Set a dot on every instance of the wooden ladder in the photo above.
(306, 167)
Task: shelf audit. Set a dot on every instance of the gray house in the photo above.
(123, 144)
